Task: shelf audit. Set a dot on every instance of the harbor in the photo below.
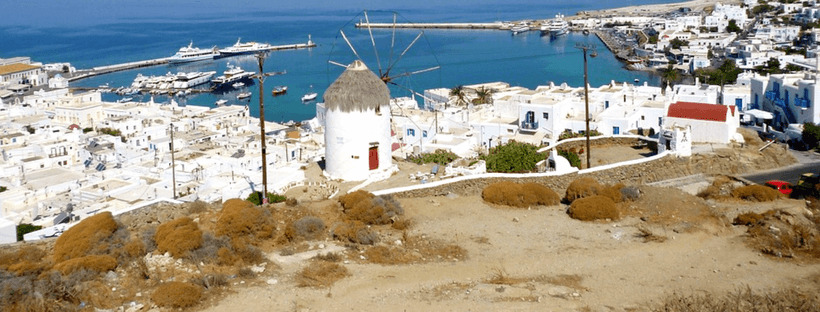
(101, 70)
(494, 25)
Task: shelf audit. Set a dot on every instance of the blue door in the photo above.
(739, 104)
(616, 130)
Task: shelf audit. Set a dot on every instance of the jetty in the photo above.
(101, 70)
(494, 25)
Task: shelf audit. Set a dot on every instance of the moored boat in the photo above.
(556, 27)
(244, 48)
(520, 28)
(232, 75)
(192, 54)
(309, 97)
(243, 95)
(279, 90)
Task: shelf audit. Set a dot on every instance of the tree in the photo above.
(513, 157)
(459, 94)
(669, 75)
(483, 96)
(653, 39)
(256, 198)
(725, 74)
(732, 27)
(772, 66)
(677, 43)
(573, 158)
(811, 135)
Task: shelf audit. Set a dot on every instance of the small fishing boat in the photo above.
(279, 90)
(243, 95)
(309, 97)
(221, 102)
(238, 85)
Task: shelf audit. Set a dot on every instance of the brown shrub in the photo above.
(789, 299)
(402, 224)
(593, 208)
(365, 207)
(582, 187)
(612, 192)
(177, 295)
(95, 263)
(749, 218)
(135, 248)
(721, 187)
(321, 274)
(24, 261)
(308, 227)
(178, 237)
(519, 195)
(85, 237)
(354, 232)
(758, 193)
(390, 255)
(241, 219)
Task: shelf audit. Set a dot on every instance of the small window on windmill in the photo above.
(378, 110)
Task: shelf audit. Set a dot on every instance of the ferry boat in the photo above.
(192, 79)
(191, 54)
(231, 75)
(520, 28)
(556, 27)
(244, 48)
(243, 95)
(279, 90)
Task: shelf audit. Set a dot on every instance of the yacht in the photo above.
(192, 79)
(243, 95)
(244, 48)
(232, 75)
(191, 54)
(520, 28)
(556, 27)
(309, 97)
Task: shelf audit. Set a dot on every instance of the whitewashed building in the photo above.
(710, 123)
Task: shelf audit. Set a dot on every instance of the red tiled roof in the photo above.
(699, 111)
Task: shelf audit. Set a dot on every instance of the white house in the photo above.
(710, 123)
(790, 97)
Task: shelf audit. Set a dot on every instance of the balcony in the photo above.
(771, 95)
(802, 103)
(529, 126)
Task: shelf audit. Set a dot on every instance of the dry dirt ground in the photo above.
(539, 259)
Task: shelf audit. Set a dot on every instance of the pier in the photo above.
(496, 25)
(101, 70)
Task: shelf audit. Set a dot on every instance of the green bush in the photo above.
(24, 228)
(811, 134)
(513, 157)
(256, 198)
(569, 134)
(441, 157)
(573, 158)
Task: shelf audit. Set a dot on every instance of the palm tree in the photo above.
(459, 93)
(669, 75)
(483, 96)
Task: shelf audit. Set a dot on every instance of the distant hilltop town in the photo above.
(68, 155)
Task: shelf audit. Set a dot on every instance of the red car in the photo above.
(781, 186)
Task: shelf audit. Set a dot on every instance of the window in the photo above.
(424, 133)
(546, 115)
(643, 117)
(411, 132)
(606, 103)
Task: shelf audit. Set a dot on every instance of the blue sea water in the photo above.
(90, 33)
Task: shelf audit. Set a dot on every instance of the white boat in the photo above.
(221, 102)
(309, 97)
(278, 90)
(556, 27)
(191, 54)
(192, 79)
(237, 85)
(243, 95)
(233, 74)
(520, 28)
(244, 48)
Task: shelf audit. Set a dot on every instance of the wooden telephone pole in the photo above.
(260, 57)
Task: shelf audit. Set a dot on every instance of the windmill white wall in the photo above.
(357, 125)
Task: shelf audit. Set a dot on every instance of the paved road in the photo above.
(809, 162)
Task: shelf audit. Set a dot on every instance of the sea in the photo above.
(90, 33)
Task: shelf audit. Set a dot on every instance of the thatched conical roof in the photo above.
(356, 89)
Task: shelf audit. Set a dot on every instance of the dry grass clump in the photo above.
(240, 219)
(742, 300)
(758, 193)
(354, 232)
(85, 237)
(178, 237)
(177, 295)
(783, 233)
(415, 250)
(649, 236)
(95, 263)
(308, 227)
(747, 219)
(586, 186)
(519, 195)
(593, 208)
(321, 274)
(24, 261)
(365, 207)
(721, 187)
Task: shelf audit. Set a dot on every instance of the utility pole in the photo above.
(173, 164)
(260, 57)
(593, 53)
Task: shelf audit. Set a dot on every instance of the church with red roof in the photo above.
(710, 123)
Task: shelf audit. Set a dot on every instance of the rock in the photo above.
(321, 246)
(272, 281)
(560, 292)
(258, 268)
(515, 219)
